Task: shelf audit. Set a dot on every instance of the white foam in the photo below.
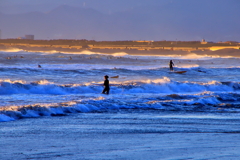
(164, 85)
(88, 52)
(14, 50)
(119, 54)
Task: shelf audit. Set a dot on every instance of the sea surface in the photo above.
(145, 97)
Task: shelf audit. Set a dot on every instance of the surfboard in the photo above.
(115, 77)
(179, 72)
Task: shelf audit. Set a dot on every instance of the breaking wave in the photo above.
(157, 86)
(203, 102)
(158, 94)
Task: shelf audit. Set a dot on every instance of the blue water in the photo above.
(58, 112)
(65, 85)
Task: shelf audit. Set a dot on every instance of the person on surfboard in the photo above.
(106, 85)
(171, 64)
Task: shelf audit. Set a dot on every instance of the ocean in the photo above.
(150, 113)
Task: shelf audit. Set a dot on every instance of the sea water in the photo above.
(65, 83)
(142, 91)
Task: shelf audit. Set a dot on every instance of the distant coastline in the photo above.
(130, 47)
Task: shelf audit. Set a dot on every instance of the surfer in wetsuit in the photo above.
(106, 85)
(171, 64)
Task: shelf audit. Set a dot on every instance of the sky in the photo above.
(106, 6)
(214, 20)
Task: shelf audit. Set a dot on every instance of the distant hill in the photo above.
(179, 20)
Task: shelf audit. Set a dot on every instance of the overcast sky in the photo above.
(106, 6)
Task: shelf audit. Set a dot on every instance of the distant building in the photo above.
(231, 42)
(203, 41)
(29, 37)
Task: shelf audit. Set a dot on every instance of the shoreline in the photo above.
(158, 48)
(229, 52)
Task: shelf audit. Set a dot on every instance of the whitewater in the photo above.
(63, 90)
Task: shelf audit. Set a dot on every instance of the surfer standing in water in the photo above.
(106, 85)
(171, 64)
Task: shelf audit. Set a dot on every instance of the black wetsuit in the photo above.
(106, 87)
(171, 64)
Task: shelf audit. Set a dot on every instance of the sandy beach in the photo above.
(228, 52)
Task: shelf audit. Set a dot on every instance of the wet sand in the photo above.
(113, 136)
